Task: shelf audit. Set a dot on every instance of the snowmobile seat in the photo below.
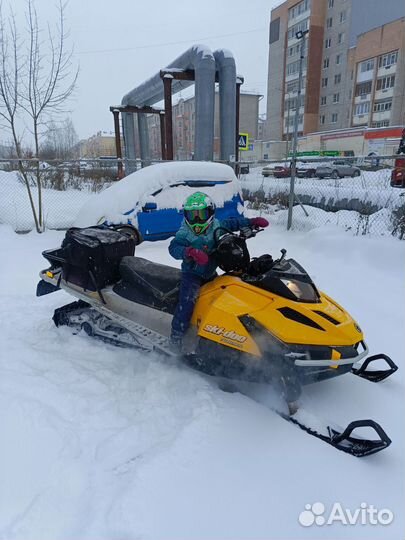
(148, 283)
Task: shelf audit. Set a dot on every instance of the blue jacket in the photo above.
(206, 242)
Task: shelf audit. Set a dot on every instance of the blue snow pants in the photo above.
(189, 288)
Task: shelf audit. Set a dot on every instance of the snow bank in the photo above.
(59, 207)
(120, 202)
(378, 224)
(370, 188)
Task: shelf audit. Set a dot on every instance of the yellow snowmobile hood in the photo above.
(223, 301)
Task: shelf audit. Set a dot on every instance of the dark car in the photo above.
(282, 171)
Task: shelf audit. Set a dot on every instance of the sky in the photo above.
(119, 44)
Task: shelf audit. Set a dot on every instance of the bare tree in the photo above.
(10, 74)
(59, 140)
(37, 77)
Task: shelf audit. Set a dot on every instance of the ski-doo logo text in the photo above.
(220, 331)
(367, 514)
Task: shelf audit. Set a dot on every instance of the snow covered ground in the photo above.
(105, 443)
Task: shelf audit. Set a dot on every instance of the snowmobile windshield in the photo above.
(287, 279)
(303, 292)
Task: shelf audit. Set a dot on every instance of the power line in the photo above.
(95, 51)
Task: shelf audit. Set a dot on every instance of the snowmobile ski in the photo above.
(339, 438)
(375, 375)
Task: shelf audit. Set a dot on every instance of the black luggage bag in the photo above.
(90, 257)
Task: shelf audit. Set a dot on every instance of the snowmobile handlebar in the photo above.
(245, 232)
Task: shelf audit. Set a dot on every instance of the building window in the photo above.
(338, 78)
(382, 106)
(291, 104)
(336, 98)
(367, 65)
(388, 60)
(328, 43)
(329, 22)
(325, 63)
(324, 82)
(323, 100)
(322, 119)
(331, 3)
(386, 82)
(292, 86)
(342, 16)
(334, 118)
(292, 51)
(341, 37)
(362, 108)
(363, 89)
(383, 123)
(299, 27)
(296, 10)
(294, 67)
(338, 59)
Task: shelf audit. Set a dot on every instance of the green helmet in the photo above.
(198, 212)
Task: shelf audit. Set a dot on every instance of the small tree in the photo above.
(59, 140)
(36, 79)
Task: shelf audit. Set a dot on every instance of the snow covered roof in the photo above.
(122, 200)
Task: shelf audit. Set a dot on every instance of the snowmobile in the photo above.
(261, 321)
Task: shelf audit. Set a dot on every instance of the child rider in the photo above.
(193, 245)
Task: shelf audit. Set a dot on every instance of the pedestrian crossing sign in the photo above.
(243, 141)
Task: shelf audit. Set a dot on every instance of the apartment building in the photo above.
(330, 60)
(184, 120)
(100, 144)
(377, 71)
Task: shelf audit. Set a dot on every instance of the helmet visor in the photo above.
(197, 217)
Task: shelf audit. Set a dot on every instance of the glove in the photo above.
(198, 256)
(259, 222)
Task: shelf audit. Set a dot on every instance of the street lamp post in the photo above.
(300, 36)
(288, 124)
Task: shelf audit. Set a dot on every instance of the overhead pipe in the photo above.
(225, 63)
(128, 128)
(201, 60)
(205, 65)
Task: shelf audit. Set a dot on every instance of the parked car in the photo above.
(337, 169)
(268, 170)
(306, 170)
(282, 171)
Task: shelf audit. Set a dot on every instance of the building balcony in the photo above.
(302, 16)
(290, 130)
(363, 76)
(384, 94)
(291, 113)
(382, 115)
(293, 76)
(387, 70)
(360, 119)
(361, 98)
